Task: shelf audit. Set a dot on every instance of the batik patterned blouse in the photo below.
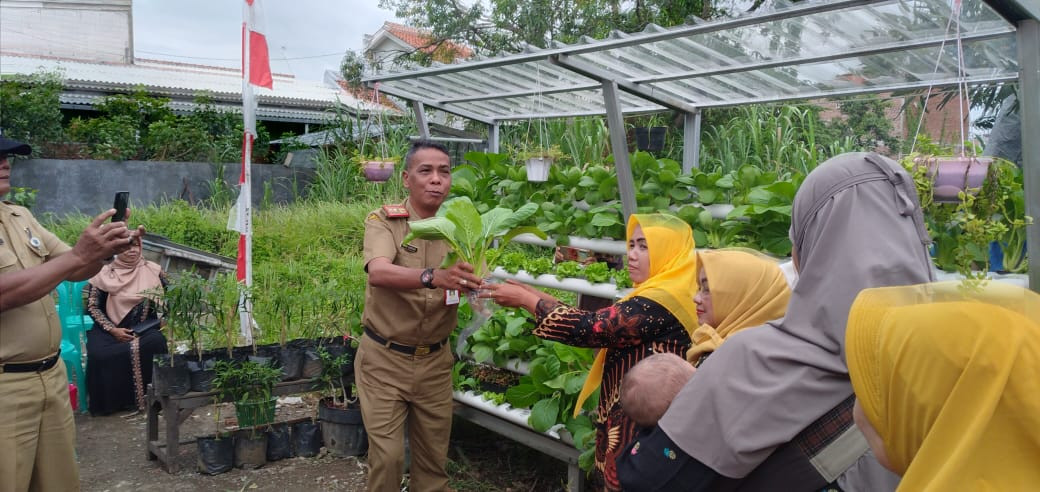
(630, 331)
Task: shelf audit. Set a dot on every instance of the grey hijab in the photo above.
(856, 223)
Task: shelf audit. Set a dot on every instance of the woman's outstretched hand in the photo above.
(512, 294)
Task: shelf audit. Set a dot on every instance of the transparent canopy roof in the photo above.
(811, 49)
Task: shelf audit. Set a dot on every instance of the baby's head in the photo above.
(651, 385)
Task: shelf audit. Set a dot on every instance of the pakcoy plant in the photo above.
(471, 233)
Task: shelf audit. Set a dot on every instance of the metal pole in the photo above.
(1029, 110)
(691, 155)
(619, 146)
(420, 119)
(492, 141)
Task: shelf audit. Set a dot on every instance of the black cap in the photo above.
(8, 146)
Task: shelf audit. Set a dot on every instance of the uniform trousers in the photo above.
(37, 432)
(400, 391)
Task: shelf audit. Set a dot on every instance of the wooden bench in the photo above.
(177, 408)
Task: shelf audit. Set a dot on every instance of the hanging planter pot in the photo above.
(951, 175)
(650, 138)
(538, 168)
(378, 171)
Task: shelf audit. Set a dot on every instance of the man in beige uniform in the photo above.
(403, 366)
(37, 432)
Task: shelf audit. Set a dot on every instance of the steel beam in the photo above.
(691, 155)
(619, 146)
(413, 97)
(896, 46)
(420, 120)
(1029, 111)
(493, 138)
(594, 72)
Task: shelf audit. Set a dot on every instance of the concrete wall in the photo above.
(88, 186)
(91, 30)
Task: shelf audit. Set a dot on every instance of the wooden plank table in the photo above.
(177, 408)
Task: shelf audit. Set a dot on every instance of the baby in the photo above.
(651, 385)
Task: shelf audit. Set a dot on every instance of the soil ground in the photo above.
(112, 457)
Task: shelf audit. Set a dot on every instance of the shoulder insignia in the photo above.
(372, 216)
(396, 211)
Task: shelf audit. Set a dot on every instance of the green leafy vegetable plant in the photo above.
(470, 233)
(569, 269)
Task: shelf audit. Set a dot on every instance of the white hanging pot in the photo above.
(538, 168)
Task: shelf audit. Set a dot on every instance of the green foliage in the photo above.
(569, 269)
(31, 108)
(963, 230)
(597, 272)
(330, 381)
(865, 123)
(222, 303)
(352, 67)
(183, 307)
(781, 139)
(508, 25)
(245, 381)
(470, 233)
(25, 197)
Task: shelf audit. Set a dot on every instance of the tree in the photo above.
(506, 26)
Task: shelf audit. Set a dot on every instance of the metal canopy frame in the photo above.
(809, 50)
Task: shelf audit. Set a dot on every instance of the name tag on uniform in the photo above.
(451, 297)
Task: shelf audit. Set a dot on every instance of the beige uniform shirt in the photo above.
(406, 316)
(31, 332)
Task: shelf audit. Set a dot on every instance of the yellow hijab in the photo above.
(746, 290)
(950, 379)
(671, 283)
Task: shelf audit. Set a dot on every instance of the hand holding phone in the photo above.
(120, 204)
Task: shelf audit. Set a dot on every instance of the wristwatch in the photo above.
(426, 277)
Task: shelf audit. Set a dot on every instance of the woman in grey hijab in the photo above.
(771, 408)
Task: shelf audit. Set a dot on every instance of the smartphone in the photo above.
(120, 203)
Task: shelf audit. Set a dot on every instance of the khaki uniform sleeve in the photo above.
(379, 239)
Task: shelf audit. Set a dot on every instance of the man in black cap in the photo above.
(37, 431)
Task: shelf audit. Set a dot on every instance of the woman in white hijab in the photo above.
(771, 408)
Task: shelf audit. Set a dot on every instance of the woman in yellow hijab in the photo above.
(737, 290)
(946, 382)
(656, 317)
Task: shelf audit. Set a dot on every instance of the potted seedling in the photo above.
(538, 160)
(651, 137)
(342, 427)
(182, 306)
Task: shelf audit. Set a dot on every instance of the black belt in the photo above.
(40, 366)
(405, 349)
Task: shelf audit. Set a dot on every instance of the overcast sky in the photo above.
(305, 37)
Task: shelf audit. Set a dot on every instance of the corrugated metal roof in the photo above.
(290, 98)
